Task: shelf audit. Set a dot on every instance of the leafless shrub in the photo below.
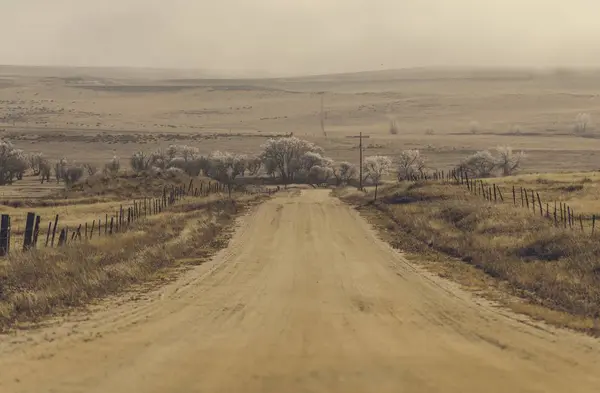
(13, 163)
(344, 172)
(484, 163)
(474, 127)
(253, 165)
(72, 174)
(320, 174)
(227, 167)
(45, 171)
(375, 167)
(515, 129)
(480, 164)
(508, 161)
(429, 131)
(36, 161)
(283, 156)
(393, 127)
(583, 122)
(60, 168)
(410, 163)
(140, 161)
(113, 166)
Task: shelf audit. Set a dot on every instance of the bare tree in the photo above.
(410, 163)
(393, 127)
(583, 122)
(158, 159)
(140, 161)
(72, 174)
(253, 165)
(13, 163)
(226, 168)
(60, 168)
(508, 161)
(284, 156)
(480, 164)
(375, 167)
(45, 171)
(344, 172)
(36, 162)
(319, 174)
(112, 166)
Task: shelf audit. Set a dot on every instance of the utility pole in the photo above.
(360, 149)
(323, 114)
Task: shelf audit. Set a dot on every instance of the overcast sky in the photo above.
(300, 36)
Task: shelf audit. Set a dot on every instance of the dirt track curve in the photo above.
(305, 299)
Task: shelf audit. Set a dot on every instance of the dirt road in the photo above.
(305, 299)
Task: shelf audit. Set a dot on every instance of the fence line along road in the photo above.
(112, 223)
(560, 213)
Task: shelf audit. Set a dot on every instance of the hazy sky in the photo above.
(300, 36)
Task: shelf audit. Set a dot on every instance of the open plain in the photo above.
(304, 294)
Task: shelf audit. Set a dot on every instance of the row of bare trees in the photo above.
(285, 159)
(14, 163)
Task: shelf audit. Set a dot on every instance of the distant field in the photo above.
(65, 114)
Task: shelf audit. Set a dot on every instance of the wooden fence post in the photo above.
(36, 231)
(4, 235)
(92, 229)
(29, 226)
(48, 234)
(514, 196)
(54, 230)
(533, 200)
(581, 222)
(495, 196)
(78, 233)
(111, 225)
(62, 237)
(106, 223)
(526, 199)
(500, 194)
(593, 223)
(86, 231)
(540, 204)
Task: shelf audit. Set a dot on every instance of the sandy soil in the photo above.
(305, 299)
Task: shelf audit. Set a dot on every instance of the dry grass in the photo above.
(35, 284)
(523, 253)
(93, 199)
(580, 190)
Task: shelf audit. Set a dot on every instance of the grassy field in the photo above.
(580, 190)
(49, 280)
(484, 244)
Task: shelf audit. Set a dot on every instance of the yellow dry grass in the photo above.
(556, 270)
(48, 280)
(580, 190)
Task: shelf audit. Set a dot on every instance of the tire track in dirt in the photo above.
(305, 298)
